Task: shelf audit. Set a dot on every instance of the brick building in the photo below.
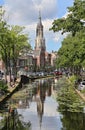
(43, 58)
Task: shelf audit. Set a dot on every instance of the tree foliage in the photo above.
(74, 21)
(12, 41)
(72, 52)
(3, 87)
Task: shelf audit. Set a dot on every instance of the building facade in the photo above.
(43, 58)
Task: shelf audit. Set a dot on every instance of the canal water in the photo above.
(35, 107)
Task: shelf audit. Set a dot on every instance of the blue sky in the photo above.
(25, 13)
(62, 6)
(1, 2)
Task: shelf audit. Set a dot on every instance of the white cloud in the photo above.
(26, 12)
(57, 36)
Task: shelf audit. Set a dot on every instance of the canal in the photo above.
(35, 107)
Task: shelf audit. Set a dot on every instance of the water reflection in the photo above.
(12, 122)
(42, 110)
(36, 109)
(73, 121)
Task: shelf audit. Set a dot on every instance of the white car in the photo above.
(82, 85)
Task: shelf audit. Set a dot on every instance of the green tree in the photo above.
(19, 41)
(12, 41)
(74, 20)
(72, 52)
(3, 39)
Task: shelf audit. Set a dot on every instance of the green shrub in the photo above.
(3, 86)
(73, 79)
(69, 100)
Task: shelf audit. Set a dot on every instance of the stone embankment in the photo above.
(11, 90)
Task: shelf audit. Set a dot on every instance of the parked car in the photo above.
(82, 85)
(57, 73)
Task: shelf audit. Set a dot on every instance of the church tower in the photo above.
(40, 41)
(40, 47)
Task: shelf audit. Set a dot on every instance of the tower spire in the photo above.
(39, 16)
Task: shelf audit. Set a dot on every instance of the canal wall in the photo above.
(11, 90)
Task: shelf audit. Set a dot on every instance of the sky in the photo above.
(26, 13)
